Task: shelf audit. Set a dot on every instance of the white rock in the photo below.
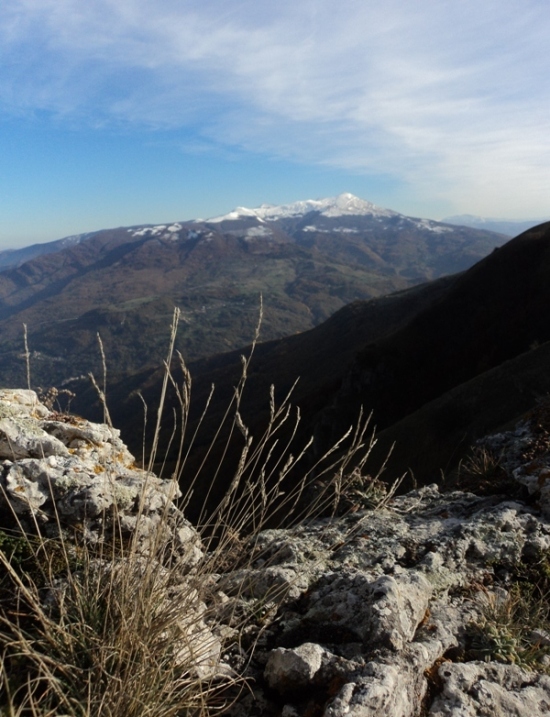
(292, 669)
(21, 402)
(21, 437)
(478, 688)
(81, 473)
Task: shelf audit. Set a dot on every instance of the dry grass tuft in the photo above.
(482, 473)
(515, 623)
(114, 631)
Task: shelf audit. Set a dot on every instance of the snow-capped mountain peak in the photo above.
(343, 205)
(349, 204)
(237, 213)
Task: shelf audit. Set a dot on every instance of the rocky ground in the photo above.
(436, 603)
(405, 610)
(432, 603)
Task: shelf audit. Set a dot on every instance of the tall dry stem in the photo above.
(125, 633)
(27, 356)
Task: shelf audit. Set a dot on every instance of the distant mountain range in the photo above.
(440, 365)
(443, 331)
(344, 205)
(11, 258)
(341, 206)
(308, 259)
(501, 226)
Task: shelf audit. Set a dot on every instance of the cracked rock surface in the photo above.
(402, 610)
(386, 612)
(59, 467)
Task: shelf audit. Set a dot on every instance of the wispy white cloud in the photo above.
(451, 98)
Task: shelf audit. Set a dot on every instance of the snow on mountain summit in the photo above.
(343, 205)
(350, 204)
(237, 213)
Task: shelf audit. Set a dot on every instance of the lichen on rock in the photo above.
(378, 611)
(386, 600)
(74, 473)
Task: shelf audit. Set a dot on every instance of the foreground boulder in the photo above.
(61, 475)
(61, 469)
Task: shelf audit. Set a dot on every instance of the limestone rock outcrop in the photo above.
(426, 606)
(61, 468)
(61, 475)
(432, 604)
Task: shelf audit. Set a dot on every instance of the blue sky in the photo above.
(118, 112)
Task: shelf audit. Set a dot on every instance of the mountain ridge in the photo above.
(440, 364)
(344, 204)
(123, 283)
(509, 227)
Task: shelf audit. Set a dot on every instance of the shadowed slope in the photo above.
(396, 354)
(492, 313)
(434, 438)
(318, 357)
